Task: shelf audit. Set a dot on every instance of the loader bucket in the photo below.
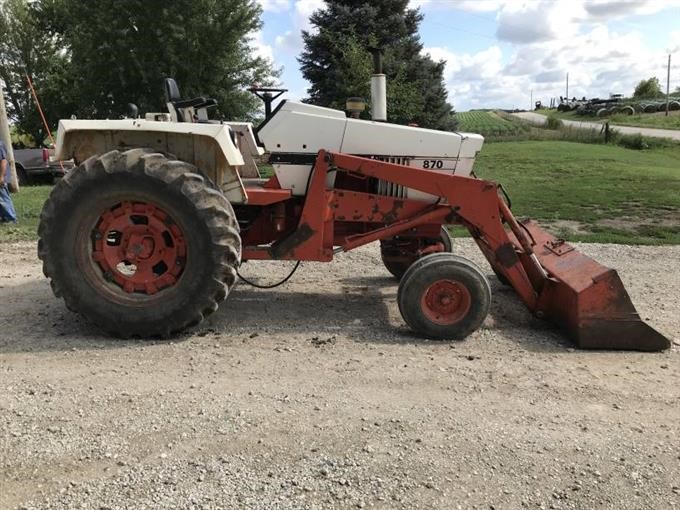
(588, 299)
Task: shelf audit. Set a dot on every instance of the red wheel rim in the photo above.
(446, 302)
(139, 247)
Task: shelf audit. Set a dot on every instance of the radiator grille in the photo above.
(389, 189)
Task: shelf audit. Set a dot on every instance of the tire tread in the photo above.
(210, 206)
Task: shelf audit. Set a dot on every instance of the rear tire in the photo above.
(397, 261)
(22, 176)
(443, 296)
(138, 244)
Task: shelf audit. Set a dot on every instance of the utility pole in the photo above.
(7, 139)
(668, 84)
(531, 101)
(567, 94)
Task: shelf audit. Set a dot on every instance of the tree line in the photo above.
(90, 58)
(336, 63)
(650, 89)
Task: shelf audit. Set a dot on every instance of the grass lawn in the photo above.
(28, 204)
(586, 192)
(583, 192)
(650, 120)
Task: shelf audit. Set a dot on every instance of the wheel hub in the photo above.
(446, 302)
(139, 247)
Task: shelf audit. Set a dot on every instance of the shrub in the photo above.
(634, 141)
(553, 122)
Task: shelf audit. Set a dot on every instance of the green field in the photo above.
(485, 123)
(587, 192)
(650, 120)
(584, 192)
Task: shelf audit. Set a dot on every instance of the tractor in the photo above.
(145, 236)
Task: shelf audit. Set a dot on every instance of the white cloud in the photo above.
(594, 10)
(548, 38)
(469, 67)
(274, 5)
(476, 5)
(471, 78)
(291, 41)
(610, 9)
(599, 62)
(538, 21)
(674, 42)
(260, 48)
(303, 10)
(553, 76)
(530, 21)
(524, 27)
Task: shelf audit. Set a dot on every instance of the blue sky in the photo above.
(499, 51)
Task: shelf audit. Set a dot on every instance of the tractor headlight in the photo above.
(355, 105)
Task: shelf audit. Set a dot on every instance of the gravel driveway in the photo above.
(315, 395)
(539, 119)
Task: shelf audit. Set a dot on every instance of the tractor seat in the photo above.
(175, 99)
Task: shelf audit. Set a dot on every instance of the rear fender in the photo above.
(207, 146)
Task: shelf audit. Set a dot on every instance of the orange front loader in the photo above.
(145, 236)
(143, 245)
(552, 278)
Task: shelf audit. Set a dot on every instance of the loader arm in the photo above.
(553, 279)
(471, 202)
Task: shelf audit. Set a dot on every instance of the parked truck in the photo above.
(39, 165)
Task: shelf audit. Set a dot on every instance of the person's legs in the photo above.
(7, 212)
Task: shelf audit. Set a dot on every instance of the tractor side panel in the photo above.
(203, 151)
(249, 148)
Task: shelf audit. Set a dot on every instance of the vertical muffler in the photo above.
(378, 87)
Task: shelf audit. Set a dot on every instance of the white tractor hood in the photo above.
(297, 131)
(302, 128)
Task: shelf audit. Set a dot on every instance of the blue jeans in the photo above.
(7, 212)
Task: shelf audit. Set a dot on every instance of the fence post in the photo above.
(5, 136)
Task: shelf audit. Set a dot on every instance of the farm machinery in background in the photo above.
(146, 235)
(616, 104)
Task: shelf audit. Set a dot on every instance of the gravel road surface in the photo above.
(315, 395)
(539, 119)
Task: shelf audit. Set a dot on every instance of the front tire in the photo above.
(398, 256)
(443, 296)
(138, 244)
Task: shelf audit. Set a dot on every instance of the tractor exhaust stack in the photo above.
(378, 87)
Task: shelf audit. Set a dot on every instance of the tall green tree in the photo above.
(121, 50)
(648, 89)
(402, 95)
(26, 51)
(336, 61)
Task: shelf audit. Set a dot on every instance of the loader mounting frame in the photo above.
(554, 280)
